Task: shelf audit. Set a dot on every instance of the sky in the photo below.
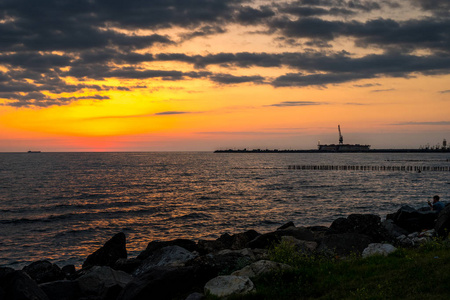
(202, 75)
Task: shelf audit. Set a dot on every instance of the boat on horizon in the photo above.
(34, 151)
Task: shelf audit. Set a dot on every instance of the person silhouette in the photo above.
(437, 205)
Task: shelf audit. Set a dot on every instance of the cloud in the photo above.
(248, 15)
(385, 90)
(230, 79)
(297, 103)
(425, 123)
(366, 85)
(53, 47)
(444, 92)
(165, 113)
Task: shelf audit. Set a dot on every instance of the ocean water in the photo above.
(63, 206)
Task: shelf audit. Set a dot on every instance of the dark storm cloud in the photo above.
(438, 7)
(204, 31)
(299, 79)
(39, 99)
(43, 43)
(230, 79)
(333, 67)
(430, 34)
(249, 15)
(308, 8)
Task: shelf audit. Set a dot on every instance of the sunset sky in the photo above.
(181, 75)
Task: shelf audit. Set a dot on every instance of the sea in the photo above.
(62, 207)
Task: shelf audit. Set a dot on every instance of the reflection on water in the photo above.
(62, 206)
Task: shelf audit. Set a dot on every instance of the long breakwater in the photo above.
(370, 168)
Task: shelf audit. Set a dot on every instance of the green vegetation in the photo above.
(421, 273)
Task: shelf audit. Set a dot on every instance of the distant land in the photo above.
(344, 148)
(440, 150)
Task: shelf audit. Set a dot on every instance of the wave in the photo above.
(192, 216)
(83, 216)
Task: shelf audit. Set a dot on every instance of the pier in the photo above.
(370, 168)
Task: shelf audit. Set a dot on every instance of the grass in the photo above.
(421, 273)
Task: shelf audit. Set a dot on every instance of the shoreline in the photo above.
(182, 266)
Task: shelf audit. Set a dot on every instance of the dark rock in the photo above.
(196, 296)
(223, 242)
(287, 225)
(208, 246)
(413, 220)
(44, 271)
(166, 283)
(268, 240)
(442, 226)
(154, 246)
(18, 285)
(318, 231)
(344, 244)
(61, 290)
(393, 230)
(221, 264)
(69, 270)
(4, 271)
(107, 255)
(167, 256)
(101, 281)
(367, 224)
(240, 240)
(127, 265)
(226, 241)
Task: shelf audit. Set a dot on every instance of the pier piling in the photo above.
(370, 168)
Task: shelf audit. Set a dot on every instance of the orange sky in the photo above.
(253, 75)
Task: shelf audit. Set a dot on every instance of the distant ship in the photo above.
(33, 151)
(341, 147)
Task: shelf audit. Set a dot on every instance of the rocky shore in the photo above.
(186, 269)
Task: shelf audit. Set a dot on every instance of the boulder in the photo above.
(226, 241)
(416, 238)
(393, 230)
(221, 264)
(167, 256)
(61, 290)
(225, 286)
(287, 225)
(156, 245)
(69, 270)
(127, 265)
(195, 296)
(19, 285)
(167, 283)
(442, 225)
(344, 244)
(378, 249)
(44, 271)
(307, 247)
(102, 280)
(267, 240)
(367, 224)
(244, 252)
(240, 240)
(261, 267)
(107, 255)
(413, 220)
